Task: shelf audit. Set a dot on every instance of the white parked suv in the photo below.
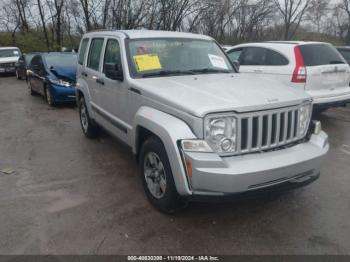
(197, 128)
(8, 59)
(318, 68)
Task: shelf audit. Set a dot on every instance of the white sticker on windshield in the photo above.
(217, 61)
(15, 52)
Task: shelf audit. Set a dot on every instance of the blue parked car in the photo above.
(53, 75)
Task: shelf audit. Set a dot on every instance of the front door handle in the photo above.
(84, 74)
(100, 81)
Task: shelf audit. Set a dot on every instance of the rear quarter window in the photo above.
(320, 54)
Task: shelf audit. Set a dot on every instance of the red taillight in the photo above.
(299, 74)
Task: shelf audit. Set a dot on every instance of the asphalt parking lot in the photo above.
(70, 195)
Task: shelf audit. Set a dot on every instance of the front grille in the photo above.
(261, 131)
(5, 65)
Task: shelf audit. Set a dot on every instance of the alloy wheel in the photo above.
(155, 176)
(84, 117)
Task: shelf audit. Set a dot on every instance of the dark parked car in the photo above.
(22, 65)
(345, 51)
(53, 75)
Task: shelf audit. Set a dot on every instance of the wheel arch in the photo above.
(169, 129)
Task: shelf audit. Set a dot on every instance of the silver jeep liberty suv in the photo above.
(198, 128)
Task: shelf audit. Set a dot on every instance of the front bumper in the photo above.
(7, 69)
(213, 175)
(63, 94)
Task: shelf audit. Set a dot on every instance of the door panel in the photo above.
(92, 70)
(112, 95)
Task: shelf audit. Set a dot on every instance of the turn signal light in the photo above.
(188, 167)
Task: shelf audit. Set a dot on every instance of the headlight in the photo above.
(60, 82)
(195, 146)
(221, 133)
(304, 119)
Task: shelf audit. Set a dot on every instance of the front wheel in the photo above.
(31, 91)
(158, 178)
(90, 129)
(18, 76)
(49, 99)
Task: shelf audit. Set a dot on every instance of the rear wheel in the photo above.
(89, 127)
(158, 178)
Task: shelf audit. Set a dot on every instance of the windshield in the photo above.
(346, 54)
(9, 53)
(174, 56)
(61, 60)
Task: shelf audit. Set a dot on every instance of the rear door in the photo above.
(92, 72)
(326, 69)
(36, 71)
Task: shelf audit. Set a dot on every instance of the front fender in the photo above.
(82, 87)
(170, 130)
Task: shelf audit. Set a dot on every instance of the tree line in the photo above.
(55, 23)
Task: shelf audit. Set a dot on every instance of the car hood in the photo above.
(65, 73)
(9, 59)
(203, 94)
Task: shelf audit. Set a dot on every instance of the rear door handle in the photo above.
(84, 74)
(100, 81)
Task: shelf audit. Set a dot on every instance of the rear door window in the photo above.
(320, 54)
(82, 50)
(253, 56)
(95, 53)
(260, 56)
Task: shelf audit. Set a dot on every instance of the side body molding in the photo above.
(170, 130)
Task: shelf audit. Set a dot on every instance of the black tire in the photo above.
(18, 76)
(171, 201)
(31, 91)
(48, 96)
(317, 112)
(90, 128)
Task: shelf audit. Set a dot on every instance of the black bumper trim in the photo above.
(251, 194)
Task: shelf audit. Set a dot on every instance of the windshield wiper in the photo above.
(336, 62)
(210, 70)
(167, 73)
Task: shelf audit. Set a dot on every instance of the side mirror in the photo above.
(236, 65)
(114, 71)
